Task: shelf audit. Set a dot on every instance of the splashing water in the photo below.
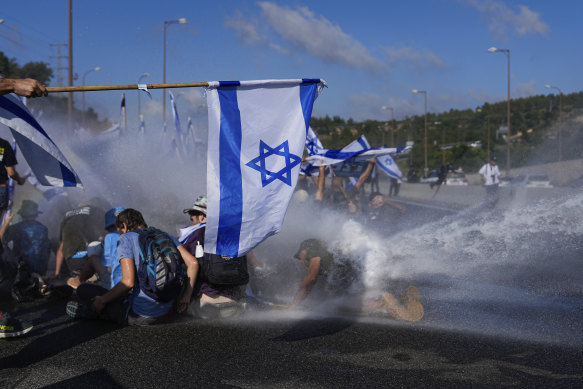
(508, 273)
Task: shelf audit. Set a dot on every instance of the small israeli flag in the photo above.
(46, 161)
(257, 133)
(387, 164)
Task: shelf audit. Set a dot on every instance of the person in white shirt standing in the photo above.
(490, 175)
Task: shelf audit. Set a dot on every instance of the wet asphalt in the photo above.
(274, 349)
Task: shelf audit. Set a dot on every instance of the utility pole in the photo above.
(70, 100)
(59, 57)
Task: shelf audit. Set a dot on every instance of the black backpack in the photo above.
(225, 271)
(161, 273)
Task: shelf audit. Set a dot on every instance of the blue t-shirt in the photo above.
(142, 304)
(109, 258)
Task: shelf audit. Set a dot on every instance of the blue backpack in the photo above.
(161, 273)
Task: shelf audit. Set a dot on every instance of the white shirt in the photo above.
(491, 173)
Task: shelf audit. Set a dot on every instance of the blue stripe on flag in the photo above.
(362, 142)
(231, 183)
(229, 83)
(69, 178)
(22, 114)
(307, 96)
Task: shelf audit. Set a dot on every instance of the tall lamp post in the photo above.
(560, 120)
(95, 69)
(507, 53)
(139, 103)
(392, 123)
(166, 23)
(416, 91)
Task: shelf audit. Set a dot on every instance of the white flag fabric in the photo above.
(332, 157)
(387, 164)
(48, 164)
(257, 133)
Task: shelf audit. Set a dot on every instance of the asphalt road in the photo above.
(301, 350)
(270, 350)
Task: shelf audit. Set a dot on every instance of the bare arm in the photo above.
(128, 278)
(15, 176)
(59, 259)
(26, 87)
(307, 283)
(365, 174)
(6, 224)
(395, 205)
(321, 184)
(191, 272)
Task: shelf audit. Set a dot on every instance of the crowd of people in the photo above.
(103, 256)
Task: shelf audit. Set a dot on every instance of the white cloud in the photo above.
(420, 60)
(526, 89)
(318, 36)
(246, 31)
(500, 18)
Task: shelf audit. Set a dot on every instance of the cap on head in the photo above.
(493, 158)
(28, 208)
(199, 205)
(111, 215)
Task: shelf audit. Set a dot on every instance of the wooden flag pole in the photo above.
(54, 89)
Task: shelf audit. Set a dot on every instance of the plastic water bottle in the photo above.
(199, 251)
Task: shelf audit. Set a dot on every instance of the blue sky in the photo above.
(371, 53)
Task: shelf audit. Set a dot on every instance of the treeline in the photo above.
(54, 106)
(534, 123)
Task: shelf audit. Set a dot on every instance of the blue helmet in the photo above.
(111, 215)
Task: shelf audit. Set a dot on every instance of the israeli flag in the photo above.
(48, 164)
(176, 118)
(257, 134)
(387, 164)
(314, 146)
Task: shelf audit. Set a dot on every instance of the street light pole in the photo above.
(95, 69)
(507, 53)
(559, 132)
(392, 123)
(424, 126)
(139, 103)
(166, 23)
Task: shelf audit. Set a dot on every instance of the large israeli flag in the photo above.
(257, 133)
(48, 164)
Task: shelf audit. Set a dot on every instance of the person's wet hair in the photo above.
(132, 218)
(373, 195)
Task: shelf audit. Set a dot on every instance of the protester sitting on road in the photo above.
(340, 278)
(127, 302)
(28, 239)
(102, 256)
(79, 226)
(210, 300)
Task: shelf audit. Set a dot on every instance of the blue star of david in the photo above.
(267, 176)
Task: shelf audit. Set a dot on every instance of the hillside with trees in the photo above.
(534, 129)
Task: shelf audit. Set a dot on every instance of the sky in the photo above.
(370, 53)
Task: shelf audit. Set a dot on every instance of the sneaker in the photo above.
(11, 327)
(410, 310)
(76, 310)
